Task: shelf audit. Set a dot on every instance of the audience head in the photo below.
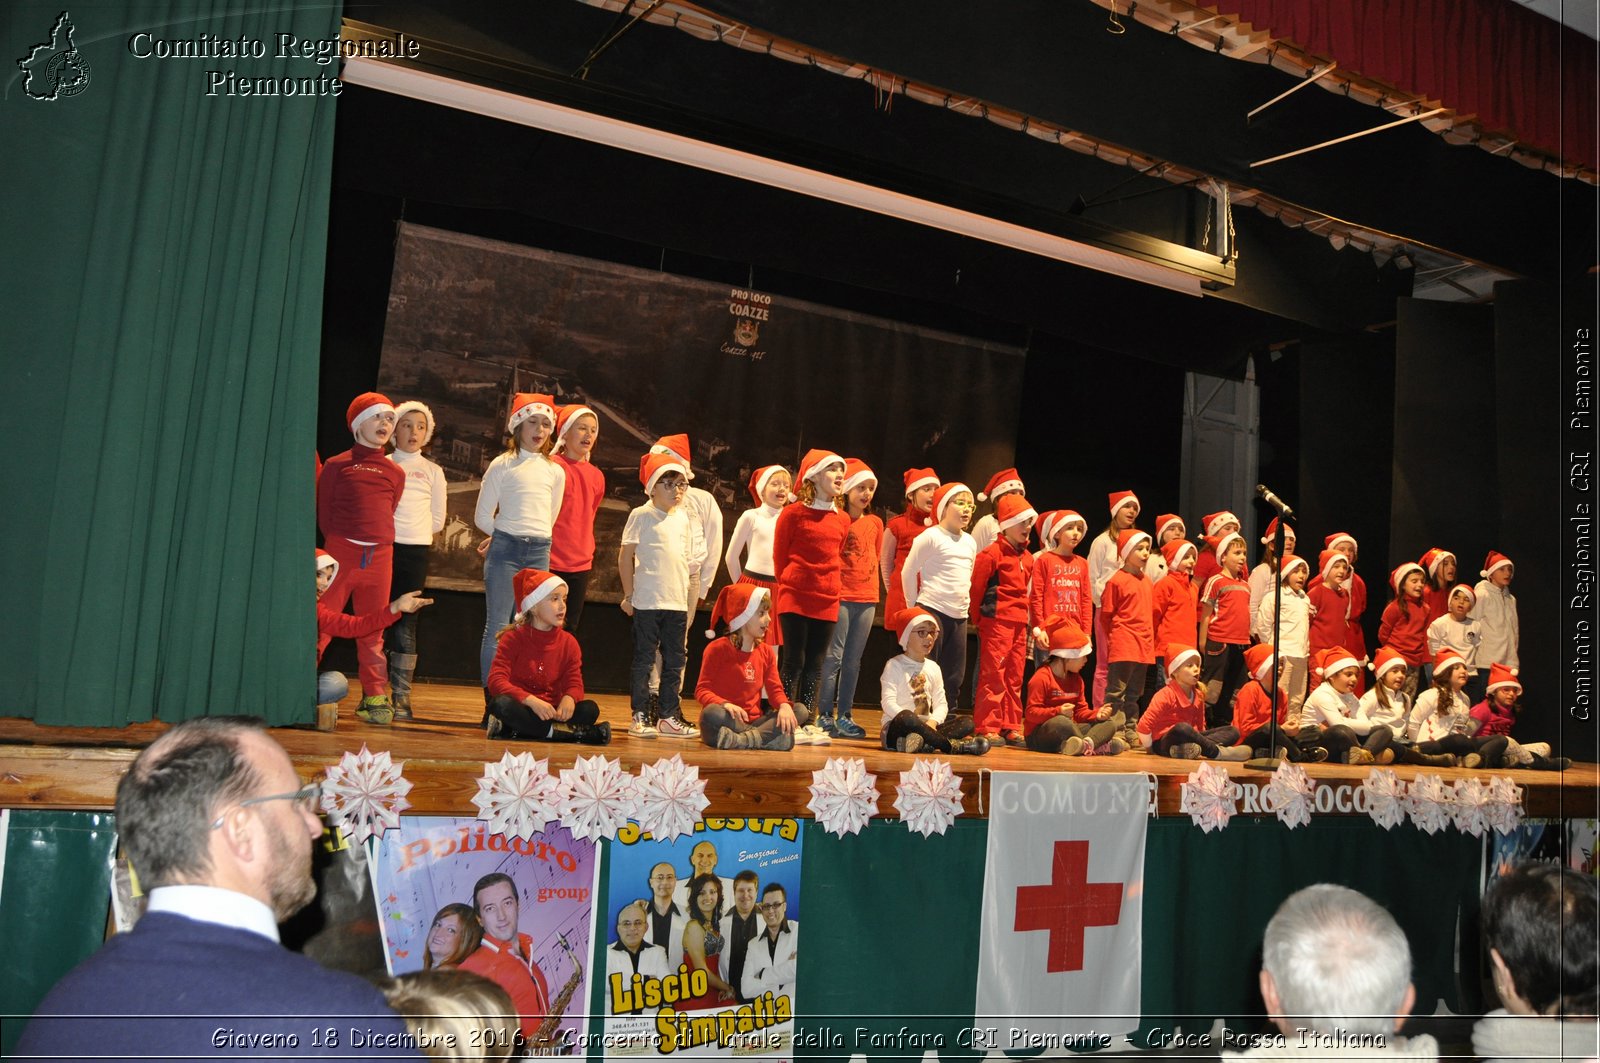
(455, 1014)
(1540, 923)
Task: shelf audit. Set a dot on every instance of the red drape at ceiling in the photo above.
(1518, 72)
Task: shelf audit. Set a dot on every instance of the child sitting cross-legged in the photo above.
(536, 677)
(737, 671)
(1498, 712)
(913, 697)
(1350, 735)
(1175, 723)
(1252, 711)
(1058, 717)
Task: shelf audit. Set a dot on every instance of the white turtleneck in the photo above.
(420, 515)
(753, 530)
(521, 495)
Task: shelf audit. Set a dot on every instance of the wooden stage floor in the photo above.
(444, 751)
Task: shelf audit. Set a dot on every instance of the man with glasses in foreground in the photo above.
(218, 828)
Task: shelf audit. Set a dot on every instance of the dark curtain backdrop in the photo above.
(162, 304)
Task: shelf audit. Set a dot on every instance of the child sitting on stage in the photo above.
(332, 624)
(1253, 709)
(913, 698)
(1349, 734)
(1441, 720)
(1498, 712)
(737, 671)
(1386, 703)
(1175, 723)
(1059, 718)
(536, 677)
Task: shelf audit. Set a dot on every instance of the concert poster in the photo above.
(659, 999)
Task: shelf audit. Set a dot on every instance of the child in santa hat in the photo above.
(1404, 625)
(1496, 612)
(999, 593)
(808, 553)
(1386, 703)
(536, 678)
(335, 624)
(1294, 631)
(1252, 711)
(1103, 562)
(1130, 626)
(938, 577)
(859, 587)
(1174, 610)
(915, 712)
(357, 494)
(1175, 723)
(654, 567)
(1224, 625)
(1003, 483)
(749, 557)
(519, 502)
(572, 538)
(1439, 566)
(1060, 583)
(1269, 569)
(901, 531)
(742, 702)
(1059, 718)
(1328, 602)
(1442, 722)
(1355, 636)
(419, 517)
(1169, 529)
(1457, 630)
(705, 549)
(1349, 734)
(1498, 712)
(1214, 527)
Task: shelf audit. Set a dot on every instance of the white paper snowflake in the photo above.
(1428, 802)
(518, 796)
(1208, 797)
(1467, 807)
(1386, 798)
(928, 797)
(671, 796)
(844, 795)
(365, 793)
(1289, 795)
(597, 797)
(1504, 807)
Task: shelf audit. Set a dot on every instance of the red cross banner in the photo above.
(1062, 915)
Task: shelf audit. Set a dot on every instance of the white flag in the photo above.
(1058, 964)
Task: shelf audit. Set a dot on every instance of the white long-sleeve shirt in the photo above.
(1496, 614)
(1463, 636)
(942, 562)
(1395, 717)
(521, 495)
(705, 535)
(420, 515)
(1294, 630)
(1260, 582)
(1328, 707)
(914, 686)
(1103, 564)
(985, 530)
(1429, 724)
(752, 536)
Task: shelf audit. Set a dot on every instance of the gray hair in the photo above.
(1340, 962)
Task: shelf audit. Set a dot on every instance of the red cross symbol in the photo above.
(1067, 905)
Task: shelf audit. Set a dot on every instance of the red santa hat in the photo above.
(365, 405)
(1336, 538)
(1067, 639)
(327, 560)
(1434, 558)
(414, 406)
(903, 621)
(1001, 482)
(1178, 654)
(857, 473)
(1219, 546)
(1174, 550)
(1501, 676)
(534, 585)
(1167, 520)
(1444, 659)
(1258, 660)
(1495, 560)
(1387, 660)
(817, 460)
(1462, 588)
(737, 604)
(1215, 522)
(526, 404)
(567, 416)
(1128, 541)
(916, 479)
(653, 467)
(1288, 564)
(1118, 499)
(1335, 659)
(1054, 522)
(1327, 559)
(763, 476)
(1012, 510)
(942, 499)
(676, 446)
(1272, 529)
(1399, 575)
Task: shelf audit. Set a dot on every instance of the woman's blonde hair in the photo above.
(455, 1014)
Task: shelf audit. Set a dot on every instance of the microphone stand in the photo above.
(1270, 762)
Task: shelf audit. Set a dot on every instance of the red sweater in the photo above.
(1437, 601)
(572, 538)
(1229, 597)
(1174, 608)
(1130, 631)
(1406, 634)
(1250, 709)
(730, 676)
(1046, 696)
(1328, 621)
(806, 548)
(357, 494)
(546, 664)
(346, 626)
(1060, 587)
(1206, 565)
(1171, 706)
(859, 578)
(1008, 570)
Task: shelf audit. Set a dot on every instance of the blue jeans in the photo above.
(653, 630)
(331, 687)
(508, 555)
(842, 667)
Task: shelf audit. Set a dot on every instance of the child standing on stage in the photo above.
(1328, 602)
(1355, 637)
(1224, 625)
(1059, 718)
(752, 536)
(518, 504)
(1217, 526)
(1349, 734)
(1174, 609)
(1103, 563)
(1405, 624)
(536, 680)
(705, 549)
(1005, 482)
(1060, 584)
(1496, 612)
(742, 702)
(1441, 720)
(807, 551)
(654, 567)
(1498, 712)
(1294, 631)
(1457, 630)
(1253, 711)
(332, 624)
(358, 492)
(1175, 723)
(419, 517)
(1130, 628)
(901, 532)
(859, 584)
(1439, 566)
(1262, 575)
(999, 593)
(1169, 529)
(938, 577)
(915, 713)
(572, 542)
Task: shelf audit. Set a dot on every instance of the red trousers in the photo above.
(363, 580)
(1002, 652)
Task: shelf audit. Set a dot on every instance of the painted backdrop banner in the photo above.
(753, 379)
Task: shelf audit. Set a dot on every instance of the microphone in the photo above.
(1274, 501)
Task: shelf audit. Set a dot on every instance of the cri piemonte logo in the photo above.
(55, 69)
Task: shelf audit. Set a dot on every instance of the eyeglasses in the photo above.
(772, 906)
(307, 797)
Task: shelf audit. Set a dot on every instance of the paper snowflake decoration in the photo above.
(1503, 810)
(1428, 803)
(844, 795)
(1467, 807)
(928, 797)
(596, 797)
(1386, 798)
(1289, 795)
(670, 797)
(365, 793)
(1208, 797)
(518, 796)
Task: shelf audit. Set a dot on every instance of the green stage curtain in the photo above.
(162, 307)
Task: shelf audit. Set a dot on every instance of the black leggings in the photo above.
(1339, 739)
(409, 573)
(935, 739)
(1210, 740)
(525, 725)
(577, 584)
(1492, 750)
(805, 644)
(1051, 735)
(1261, 738)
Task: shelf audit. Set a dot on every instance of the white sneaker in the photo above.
(640, 727)
(812, 735)
(671, 728)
